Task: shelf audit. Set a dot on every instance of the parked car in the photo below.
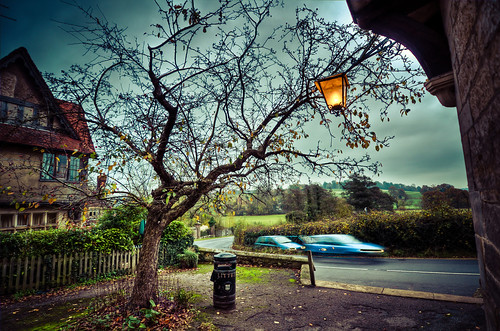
(338, 244)
(277, 242)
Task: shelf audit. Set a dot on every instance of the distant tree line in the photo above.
(444, 196)
(312, 202)
(334, 185)
(305, 201)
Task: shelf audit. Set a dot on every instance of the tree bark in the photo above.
(146, 280)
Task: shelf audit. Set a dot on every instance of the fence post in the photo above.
(64, 269)
(25, 278)
(99, 264)
(18, 274)
(31, 283)
(4, 279)
(38, 273)
(311, 268)
(53, 271)
(85, 269)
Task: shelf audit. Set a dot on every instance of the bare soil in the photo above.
(277, 302)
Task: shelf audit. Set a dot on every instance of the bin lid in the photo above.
(225, 256)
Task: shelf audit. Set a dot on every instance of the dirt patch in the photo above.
(276, 301)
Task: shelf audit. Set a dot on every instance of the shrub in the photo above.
(126, 218)
(176, 231)
(176, 238)
(109, 240)
(11, 244)
(296, 217)
(188, 259)
(239, 230)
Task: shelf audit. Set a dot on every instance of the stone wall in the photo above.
(472, 28)
(257, 259)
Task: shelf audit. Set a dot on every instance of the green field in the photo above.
(267, 220)
(337, 192)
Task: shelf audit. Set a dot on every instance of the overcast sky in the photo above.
(426, 149)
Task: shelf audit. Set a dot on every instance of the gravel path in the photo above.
(278, 302)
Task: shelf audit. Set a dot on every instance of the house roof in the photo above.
(75, 134)
(76, 118)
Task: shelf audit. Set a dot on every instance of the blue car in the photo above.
(338, 244)
(281, 242)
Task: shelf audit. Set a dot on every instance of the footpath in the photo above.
(283, 300)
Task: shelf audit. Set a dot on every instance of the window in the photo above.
(51, 218)
(7, 220)
(61, 167)
(47, 166)
(74, 166)
(3, 110)
(11, 222)
(23, 219)
(31, 117)
(38, 219)
(20, 113)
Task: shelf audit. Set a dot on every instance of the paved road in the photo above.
(454, 276)
(217, 243)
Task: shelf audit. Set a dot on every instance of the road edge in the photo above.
(305, 279)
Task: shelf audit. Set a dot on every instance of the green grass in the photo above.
(266, 220)
(337, 192)
(244, 274)
(414, 200)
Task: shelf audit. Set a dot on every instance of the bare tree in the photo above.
(222, 99)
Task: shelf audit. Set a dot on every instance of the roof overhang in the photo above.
(418, 25)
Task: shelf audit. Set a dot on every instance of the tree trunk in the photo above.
(146, 280)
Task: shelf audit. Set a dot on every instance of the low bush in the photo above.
(409, 233)
(188, 259)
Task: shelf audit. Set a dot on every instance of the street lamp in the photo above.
(334, 90)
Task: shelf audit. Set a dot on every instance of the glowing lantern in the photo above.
(334, 90)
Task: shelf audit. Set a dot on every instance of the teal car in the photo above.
(338, 244)
(281, 242)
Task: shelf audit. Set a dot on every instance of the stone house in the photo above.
(457, 43)
(45, 144)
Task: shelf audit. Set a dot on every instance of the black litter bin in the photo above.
(224, 278)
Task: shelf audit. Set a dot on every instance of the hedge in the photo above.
(59, 241)
(409, 232)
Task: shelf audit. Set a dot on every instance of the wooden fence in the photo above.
(41, 273)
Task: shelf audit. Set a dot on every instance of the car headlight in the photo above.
(323, 249)
(302, 247)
